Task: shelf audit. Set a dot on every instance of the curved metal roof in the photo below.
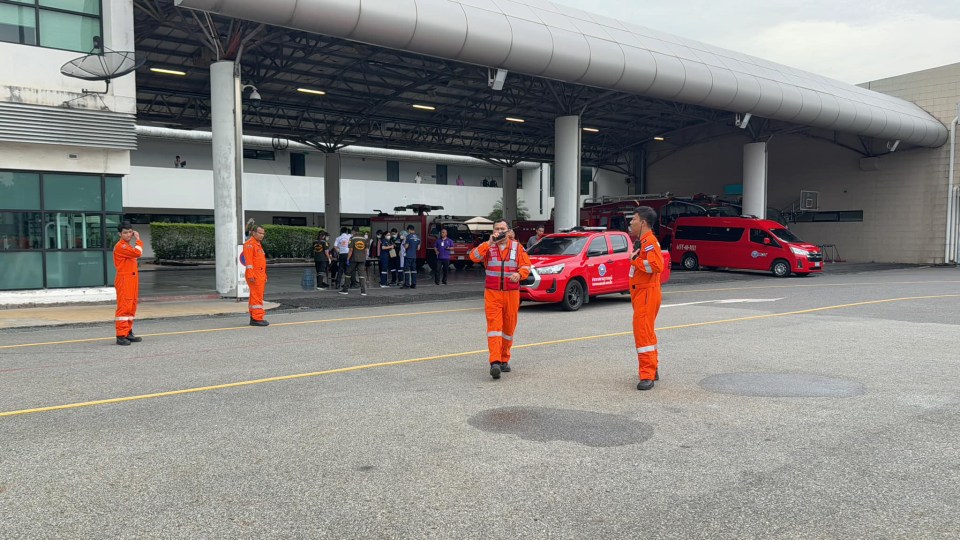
(540, 38)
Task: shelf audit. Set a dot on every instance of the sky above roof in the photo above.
(854, 40)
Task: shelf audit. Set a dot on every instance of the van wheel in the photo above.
(780, 268)
(459, 265)
(572, 296)
(690, 262)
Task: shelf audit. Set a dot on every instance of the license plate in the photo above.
(816, 265)
(460, 258)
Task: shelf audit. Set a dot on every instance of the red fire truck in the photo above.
(428, 229)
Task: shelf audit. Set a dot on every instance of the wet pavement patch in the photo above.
(581, 427)
(781, 385)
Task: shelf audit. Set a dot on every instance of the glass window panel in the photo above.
(21, 270)
(65, 31)
(18, 24)
(20, 230)
(19, 191)
(71, 192)
(75, 269)
(90, 7)
(68, 230)
(110, 230)
(113, 192)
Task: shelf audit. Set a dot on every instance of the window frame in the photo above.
(37, 8)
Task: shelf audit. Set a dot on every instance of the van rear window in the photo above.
(714, 234)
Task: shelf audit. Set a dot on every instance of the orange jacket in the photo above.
(482, 254)
(255, 259)
(646, 264)
(125, 260)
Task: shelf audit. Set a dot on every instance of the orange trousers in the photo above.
(501, 308)
(128, 293)
(646, 305)
(255, 303)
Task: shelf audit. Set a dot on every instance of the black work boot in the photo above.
(125, 341)
(645, 384)
(261, 322)
(134, 339)
(495, 370)
(505, 367)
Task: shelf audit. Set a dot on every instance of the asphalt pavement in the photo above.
(819, 407)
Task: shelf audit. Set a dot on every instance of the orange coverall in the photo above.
(501, 296)
(256, 276)
(127, 284)
(645, 296)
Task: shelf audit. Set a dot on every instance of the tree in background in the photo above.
(523, 213)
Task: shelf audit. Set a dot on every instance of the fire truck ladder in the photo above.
(617, 198)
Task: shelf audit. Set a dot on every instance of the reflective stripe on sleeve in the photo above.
(250, 266)
(651, 348)
(138, 248)
(647, 268)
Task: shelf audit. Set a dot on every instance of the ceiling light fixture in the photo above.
(517, 120)
(311, 91)
(658, 138)
(591, 130)
(425, 107)
(169, 71)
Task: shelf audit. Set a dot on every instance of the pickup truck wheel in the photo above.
(572, 296)
(690, 262)
(780, 268)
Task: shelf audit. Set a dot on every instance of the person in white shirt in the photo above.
(418, 179)
(342, 243)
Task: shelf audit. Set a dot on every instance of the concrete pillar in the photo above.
(509, 183)
(331, 193)
(566, 187)
(226, 125)
(755, 179)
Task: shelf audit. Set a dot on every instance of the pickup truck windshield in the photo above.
(559, 245)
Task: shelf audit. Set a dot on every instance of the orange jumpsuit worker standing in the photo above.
(256, 275)
(127, 282)
(646, 264)
(506, 264)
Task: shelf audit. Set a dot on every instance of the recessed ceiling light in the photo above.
(517, 120)
(658, 138)
(169, 71)
(312, 91)
(425, 107)
(592, 130)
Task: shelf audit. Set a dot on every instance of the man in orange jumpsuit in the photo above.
(127, 282)
(646, 264)
(256, 276)
(506, 264)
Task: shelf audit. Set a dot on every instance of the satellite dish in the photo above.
(105, 65)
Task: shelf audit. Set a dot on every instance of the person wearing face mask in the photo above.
(506, 264)
(396, 263)
(387, 254)
(646, 264)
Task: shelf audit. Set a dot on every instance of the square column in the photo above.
(755, 179)
(226, 126)
(566, 208)
(331, 193)
(509, 182)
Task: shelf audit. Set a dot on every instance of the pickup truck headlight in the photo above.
(799, 252)
(555, 269)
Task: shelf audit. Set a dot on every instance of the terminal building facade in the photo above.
(73, 163)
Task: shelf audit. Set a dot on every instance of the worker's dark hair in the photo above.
(356, 229)
(411, 228)
(541, 227)
(393, 230)
(647, 214)
(125, 226)
(344, 230)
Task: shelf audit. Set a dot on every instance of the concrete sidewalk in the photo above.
(104, 313)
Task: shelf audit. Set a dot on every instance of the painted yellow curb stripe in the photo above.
(450, 355)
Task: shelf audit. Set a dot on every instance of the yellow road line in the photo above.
(450, 355)
(234, 328)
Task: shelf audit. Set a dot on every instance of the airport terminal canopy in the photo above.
(537, 39)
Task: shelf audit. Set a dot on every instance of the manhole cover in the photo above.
(544, 424)
(781, 385)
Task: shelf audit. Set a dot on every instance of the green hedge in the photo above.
(188, 241)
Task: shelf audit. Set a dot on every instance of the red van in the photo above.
(743, 243)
